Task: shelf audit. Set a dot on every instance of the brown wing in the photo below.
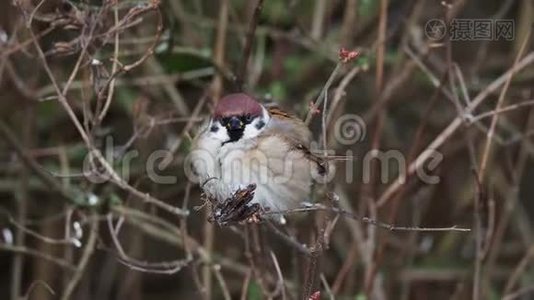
(321, 163)
(286, 124)
(296, 133)
(275, 111)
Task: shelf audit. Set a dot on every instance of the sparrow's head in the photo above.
(238, 116)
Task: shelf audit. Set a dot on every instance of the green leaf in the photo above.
(360, 297)
(254, 291)
(183, 62)
(368, 7)
(48, 112)
(125, 98)
(114, 199)
(277, 12)
(278, 90)
(364, 61)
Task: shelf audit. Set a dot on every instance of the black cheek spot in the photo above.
(260, 125)
(214, 128)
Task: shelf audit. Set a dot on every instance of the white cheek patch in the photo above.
(253, 129)
(218, 132)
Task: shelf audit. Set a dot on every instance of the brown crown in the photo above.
(237, 105)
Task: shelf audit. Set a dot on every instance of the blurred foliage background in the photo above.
(101, 85)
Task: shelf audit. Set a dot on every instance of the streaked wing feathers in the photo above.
(295, 133)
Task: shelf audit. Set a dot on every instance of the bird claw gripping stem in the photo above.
(237, 209)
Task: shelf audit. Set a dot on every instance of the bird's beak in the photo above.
(235, 124)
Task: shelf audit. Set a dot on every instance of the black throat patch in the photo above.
(235, 135)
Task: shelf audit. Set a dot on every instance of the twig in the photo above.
(453, 127)
(511, 197)
(318, 19)
(487, 147)
(243, 68)
(79, 61)
(219, 48)
(84, 260)
(344, 213)
(34, 11)
(340, 91)
(508, 108)
(221, 281)
(291, 241)
(21, 197)
(21, 45)
(479, 202)
(519, 293)
(436, 82)
(88, 141)
(346, 267)
(327, 287)
(381, 46)
(320, 97)
(280, 286)
(150, 50)
(216, 91)
(450, 67)
(45, 239)
(481, 52)
(187, 246)
(196, 112)
(170, 267)
(164, 231)
(368, 192)
(35, 284)
(349, 18)
(27, 251)
(482, 172)
(150, 80)
(246, 282)
(166, 267)
(518, 271)
(9, 136)
(463, 87)
(114, 67)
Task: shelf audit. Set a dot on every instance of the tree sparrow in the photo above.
(256, 151)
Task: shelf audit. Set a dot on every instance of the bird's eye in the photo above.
(248, 118)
